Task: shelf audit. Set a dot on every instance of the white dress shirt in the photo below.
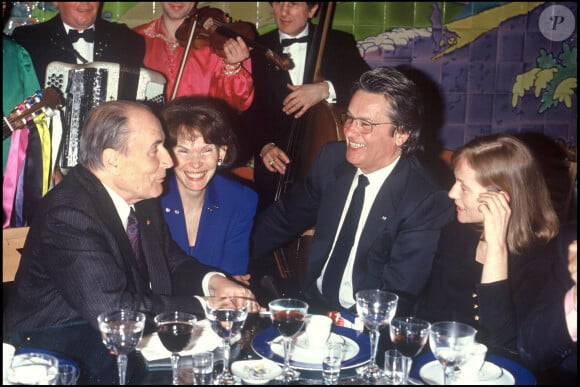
(84, 48)
(298, 52)
(376, 180)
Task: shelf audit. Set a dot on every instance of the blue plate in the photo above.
(61, 359)
(261, 345)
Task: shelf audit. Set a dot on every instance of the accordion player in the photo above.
(85, 86)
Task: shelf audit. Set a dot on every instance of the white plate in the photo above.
(301, 352)
(432, 373)
(256, 371)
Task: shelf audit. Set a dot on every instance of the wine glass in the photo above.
(376, 308)
(409, 334)
(227, 316)
(288, 316)
(174, 330)
(451, 342)
(121, 331)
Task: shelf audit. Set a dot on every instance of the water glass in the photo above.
(67, 374)
(331, 362)
(33, 369)
(397, 367)
(202, 368)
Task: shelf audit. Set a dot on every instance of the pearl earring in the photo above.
(219, 163)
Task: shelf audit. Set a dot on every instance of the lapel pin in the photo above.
(383, 217)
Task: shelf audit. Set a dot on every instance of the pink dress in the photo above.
(203, 73)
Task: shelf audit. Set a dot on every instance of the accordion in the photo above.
(85, 86)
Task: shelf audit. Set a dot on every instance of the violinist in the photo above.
(205, 72)
(282, 96)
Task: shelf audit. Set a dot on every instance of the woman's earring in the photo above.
(219, 164)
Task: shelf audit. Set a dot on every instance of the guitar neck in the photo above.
(6, 129)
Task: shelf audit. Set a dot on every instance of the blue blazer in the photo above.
(223, 236)
(398, 241)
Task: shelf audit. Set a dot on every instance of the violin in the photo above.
(214, 27)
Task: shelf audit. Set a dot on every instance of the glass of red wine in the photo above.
(174, 330)
(409, 334)
(288, 316)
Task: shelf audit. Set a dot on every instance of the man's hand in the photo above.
(304, 97)
(244, 279)
(236, 51)
(221, 287)
(274, 159)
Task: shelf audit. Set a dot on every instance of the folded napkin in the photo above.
(203, 339)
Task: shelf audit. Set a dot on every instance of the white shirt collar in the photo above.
(379, 176)
(122, 207)
(286, 36)
(67, 28)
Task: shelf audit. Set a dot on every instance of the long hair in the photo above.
(502, 162)
(212, 117)
(406, 112)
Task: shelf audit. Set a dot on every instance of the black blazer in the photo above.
(398, 241)
(77, 261)
(48, 42)
(265, 121)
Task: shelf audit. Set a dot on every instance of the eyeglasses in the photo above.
(364, 126)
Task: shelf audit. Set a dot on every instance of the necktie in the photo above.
(88, 35)
(344, 243)
(287, 42)
(133, 234)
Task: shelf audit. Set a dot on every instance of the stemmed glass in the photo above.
(409, 334)
(227, 316)
(121, 331)
(288, 316)
(174, 330)
(451, 342)
(376, 308)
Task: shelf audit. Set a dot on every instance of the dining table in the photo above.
(81, 343)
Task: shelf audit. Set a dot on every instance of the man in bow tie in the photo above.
(281, 96)
(68, 38)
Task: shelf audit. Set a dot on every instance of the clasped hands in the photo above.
(223, 288)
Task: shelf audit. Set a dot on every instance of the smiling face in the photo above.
(292, 17)
(196, 162)
(79, 15)
(373, 151)
(141, 170)
(465, 192)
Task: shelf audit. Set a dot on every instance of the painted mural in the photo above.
(497, 66)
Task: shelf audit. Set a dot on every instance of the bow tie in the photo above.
(88, 35)
(287, 42)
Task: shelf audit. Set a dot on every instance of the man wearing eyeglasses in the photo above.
(390, 241)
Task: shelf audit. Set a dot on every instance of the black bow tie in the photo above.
(287, 42)
(88, 35)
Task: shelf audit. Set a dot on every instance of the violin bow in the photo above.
(183, 60)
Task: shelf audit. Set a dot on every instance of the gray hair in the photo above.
(106, 127)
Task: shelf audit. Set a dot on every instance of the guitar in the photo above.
(45, 100)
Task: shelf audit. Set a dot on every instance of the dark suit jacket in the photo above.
(265, 121)
(48, 42)
(544, 342)
(398, 241)
(77, 261)
(455, 291)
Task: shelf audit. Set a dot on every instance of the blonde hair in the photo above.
(502, 162)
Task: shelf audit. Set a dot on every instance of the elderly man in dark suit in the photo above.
(78, 35)
(280, 97)
(392, 240)
(78, 260)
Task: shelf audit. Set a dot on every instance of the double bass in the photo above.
(308, 134)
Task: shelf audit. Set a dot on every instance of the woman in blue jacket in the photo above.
(209, 215)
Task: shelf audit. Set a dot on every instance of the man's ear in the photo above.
(401, 137)
(110, 160)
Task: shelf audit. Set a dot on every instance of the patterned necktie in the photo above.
(88, 35)
(133, 234)
(337, 262)
(287, 42)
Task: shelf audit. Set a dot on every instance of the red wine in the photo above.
(175, 335)
(409, 345)
(288, 323)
